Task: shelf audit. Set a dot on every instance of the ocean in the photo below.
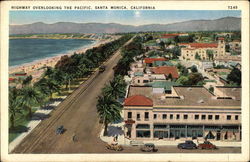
(22, 51)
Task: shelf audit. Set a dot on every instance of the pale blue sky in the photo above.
(128, 17)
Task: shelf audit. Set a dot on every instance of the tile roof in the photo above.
(203, 45)
(166, 70)
(138, 100)
(151, 60)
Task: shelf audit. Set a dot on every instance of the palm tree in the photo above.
(109, 111)
(29, 97)
(116, 88)
(13, 106)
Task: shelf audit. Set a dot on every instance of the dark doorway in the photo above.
(218, 135)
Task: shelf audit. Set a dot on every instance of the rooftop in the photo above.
(166, 70)
(151, 60)
(195, 97)
(138, 100)
(163, 84)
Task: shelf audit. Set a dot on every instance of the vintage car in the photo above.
(187, 145)
(148, 147)
(206, 145)
(102, 68)
(115, 147)
(60, 130)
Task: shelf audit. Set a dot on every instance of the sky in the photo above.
(127, 17)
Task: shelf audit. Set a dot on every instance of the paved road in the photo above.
(78, 115)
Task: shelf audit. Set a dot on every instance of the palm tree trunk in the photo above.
(12, 124)
(105, 129)
(30, 112)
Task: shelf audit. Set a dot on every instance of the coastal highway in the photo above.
(77, 113)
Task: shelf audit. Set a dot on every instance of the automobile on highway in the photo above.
(60, 130)
(149, 147)
(187, 145)
(206, 145)
(102, 68)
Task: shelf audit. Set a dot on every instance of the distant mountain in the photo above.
(222, 24)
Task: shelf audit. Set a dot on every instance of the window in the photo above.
(210, 117)
(228, 117)
(187, 54)
(145, 81)
(142, 126)
(203, 117)
(185, 116)
(143, 134)
(236, 117)
(138, 116)
(164, 116)
(217, 117)
(146, 115)
(177, 116)
(129, 115)
(196, 117)
(155, 116)
(138, 81)
(171, 116)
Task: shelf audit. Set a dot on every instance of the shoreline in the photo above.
(34, 68)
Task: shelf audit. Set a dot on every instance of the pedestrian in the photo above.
(116, 138)
(74, 137)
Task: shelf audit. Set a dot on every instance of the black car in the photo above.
(187, 145)
(60, 130)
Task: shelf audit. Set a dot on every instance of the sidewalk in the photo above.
(117, 129)
(37, 117)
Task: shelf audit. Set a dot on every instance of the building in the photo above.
(166, 70)
(186, 113)
(204, 65)
(227, 61)
(150, 61)
(193, 51)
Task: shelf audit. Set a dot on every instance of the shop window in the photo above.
(228, 117)
(171, 116)
(236, 117)
(203, 117)
(164, 116)
(143, 134)
(155, 116)
(142, 126)
(210, 117)
(196, 117)
(129, 115)
(178, 116)
(217, 117)
(185, 116)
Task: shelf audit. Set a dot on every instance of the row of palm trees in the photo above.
(109, 103)
(53, 80)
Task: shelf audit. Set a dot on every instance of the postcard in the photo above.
(125, 81)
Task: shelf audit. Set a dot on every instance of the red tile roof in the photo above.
(138, 100)
(166, 70)
(151, 60)
(204, 45)
(167, 36)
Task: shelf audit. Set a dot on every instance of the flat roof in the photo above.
(190, 96)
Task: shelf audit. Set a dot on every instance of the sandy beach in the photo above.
(34, 68)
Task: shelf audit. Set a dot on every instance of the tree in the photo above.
(211, 89)
(235, 76)
(162, 45)
(29, 97)
(27, 81)
(210, 54)
(183, 80)
(14, 108)
(195, 78)
(197, 56)
(194, 69)
(109, 111)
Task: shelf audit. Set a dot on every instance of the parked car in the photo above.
(60, 130)
(102, 68)
(149, 147)
(115, 147)
(206, 145)
(187, 145)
